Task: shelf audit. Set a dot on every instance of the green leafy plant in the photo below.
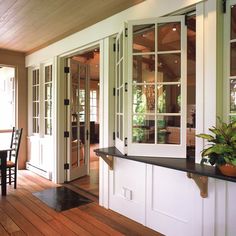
(222, 148)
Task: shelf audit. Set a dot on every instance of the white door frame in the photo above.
(105, 118)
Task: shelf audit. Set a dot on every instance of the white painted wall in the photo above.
(162, 199)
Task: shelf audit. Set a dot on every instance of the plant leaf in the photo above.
(206, 136)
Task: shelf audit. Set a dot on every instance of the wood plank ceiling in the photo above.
(28, 25)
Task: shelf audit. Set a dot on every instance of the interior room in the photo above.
(118, 117)
(90, 182)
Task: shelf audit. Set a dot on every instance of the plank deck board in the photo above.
(21, 213)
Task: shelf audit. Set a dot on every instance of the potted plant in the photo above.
(222, 149)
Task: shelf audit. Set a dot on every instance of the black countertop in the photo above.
(185, 164)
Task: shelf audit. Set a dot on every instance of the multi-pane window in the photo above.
(120, 87)
(232, 64)
(151, 83)
(48, 100)
(93, 105)
(35, 100)
(156, 85)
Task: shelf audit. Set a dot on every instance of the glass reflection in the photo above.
(232, 118)
(144, 38)
(168, 36)
(143, 98)
(48, 91)
(233, 59)
(143, 129)
(144, 68)
(168, 129)
(48, 109)
(168, 99)
(117, 126)
(48, 73)
(118, 101)
(233, 95)
(169, 67)
(121, 72)
(117, 75)
(121, 45)
(48, 126)
(233, 22)
(121, 100)
(121, 127)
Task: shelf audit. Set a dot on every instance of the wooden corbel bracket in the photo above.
(201, 182)
(108, 159)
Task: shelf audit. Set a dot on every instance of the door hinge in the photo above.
(114, 47)
(66, 69)
(224, 6)
(66, 166)
(66, 134)
(126, 32)
(126, 142)
(114, 135)
(66, 102)
(114, 91)
(126, 87)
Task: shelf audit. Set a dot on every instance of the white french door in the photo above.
(157, 87)
(77, 144)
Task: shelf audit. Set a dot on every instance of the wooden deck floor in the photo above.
(23, 214)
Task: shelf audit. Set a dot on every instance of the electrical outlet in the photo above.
(128, 194)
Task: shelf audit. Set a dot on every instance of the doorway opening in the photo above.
(84, 106)
(7, 104)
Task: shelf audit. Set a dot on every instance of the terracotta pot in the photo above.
(228, 170)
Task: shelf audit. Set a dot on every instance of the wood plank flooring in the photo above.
(90, 183)
(23, 214)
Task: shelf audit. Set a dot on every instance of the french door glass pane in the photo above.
(168, 36)
(48, 126)
(48, 73)
(121, 45)
(48, 91)
(121, 100)
(143, 129)
(48, 109)
(233, 59)
(118, 101)
(143, 98)
(144, 38)
(117, 126)
(121, 127)
(117, 75)
(168, 98)
(169, 67)
(233, 22)
(168, 129)
(233, 95)
(121, 73)
(144, 68)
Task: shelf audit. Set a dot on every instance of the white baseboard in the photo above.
(39, 171)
